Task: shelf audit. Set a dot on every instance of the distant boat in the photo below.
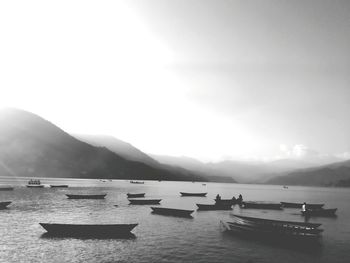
(35, 184)
(319, 212)
(172, 211)
(137, 182)
(144, 201)
(299, 205)
(208, 207)
(285, 187)
(192, 194)
(273, 230)
(262, 205)
(88, 230)
(6, 188)
(4, 205)
(135, 195)
(70, 196)
(58, 185)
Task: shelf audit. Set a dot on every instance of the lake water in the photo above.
(160, 238)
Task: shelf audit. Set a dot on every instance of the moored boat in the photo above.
(88, 230)
(172, 211)
(34, 183)
(135, 195)
(262, 205)
(58, 185)
(137, 182)
(299, 205)
(273, 230)
(101, 196)
(319, 212)
(6, 188)
(207, 207)
(4, 205)
(192, 194)
(144, 201)
(226, 201)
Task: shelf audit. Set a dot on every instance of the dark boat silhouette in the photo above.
(207, 207)
(192, 194)
(299, 205)
(101, 196)
(319, 212)
(144, 201)
(135, 195)
(58, 185)
(268, 230)
(4, 205)
(172, 211)
(6, 188)
(34, 184)
(88, 230)
(262, 205)
(226, 201)
(137, 182)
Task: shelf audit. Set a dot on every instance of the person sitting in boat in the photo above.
(240, 199)
(303, 207)
(217, 198)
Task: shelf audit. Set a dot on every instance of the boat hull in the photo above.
(299, 205)
(172, 211)
(88, 230)
(58, 185)
(86, 196)
(3, 205)
(255, 205)
(205, 207)
(135, 195)
(320, 212)
(144, 201)
(35, 186)
(193, 194)
(6, 188)
(226, 201)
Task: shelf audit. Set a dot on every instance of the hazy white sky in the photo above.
(206, 79)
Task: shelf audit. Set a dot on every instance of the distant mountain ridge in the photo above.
(31, 146)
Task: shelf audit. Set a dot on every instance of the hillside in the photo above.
(33, 147)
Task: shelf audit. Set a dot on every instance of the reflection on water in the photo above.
(160, 238)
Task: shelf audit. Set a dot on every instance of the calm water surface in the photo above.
(160, 238)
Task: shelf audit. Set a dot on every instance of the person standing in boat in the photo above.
(217, 198)
(303, 207)
(240, 199)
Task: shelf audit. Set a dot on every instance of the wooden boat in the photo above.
(5, 188)
(144, 201)
(226, 201)
(207, 207)
(172, 211)
(88, 230)
(4, 205)
(319, 212)
(34, 184)
(262, 205)
(299, 205)
(58, 185)
(70, 196)
(137, 182)
(192, 194)
(273, 229)
(135, 195)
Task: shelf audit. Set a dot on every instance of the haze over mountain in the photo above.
(31, 146)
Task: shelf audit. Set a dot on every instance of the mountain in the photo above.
(123, 149)
(336, 174)
(129, 152)
(32, 146)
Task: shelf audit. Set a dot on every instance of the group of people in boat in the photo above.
(36, 181)
(238, 200)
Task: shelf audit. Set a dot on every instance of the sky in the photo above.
(213, 80)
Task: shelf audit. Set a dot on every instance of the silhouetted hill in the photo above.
(129, 152)
(31, 146)
(336, 174)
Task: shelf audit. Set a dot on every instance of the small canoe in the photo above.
(135, 195)
(192, 194)
(262, 205)
(319, 212)
(144, 201)
(137, 182)
(205, 207)
(88, 230)
(70, 196)
(299, 205)
(6, 188)
(226, 201)
(4, 205)
(58, 185)
(172, 211)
